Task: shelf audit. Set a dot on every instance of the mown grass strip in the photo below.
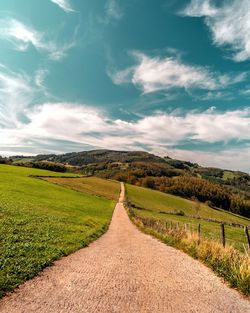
(93, 185)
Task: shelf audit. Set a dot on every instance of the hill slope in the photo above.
(98, 156)
(154, 204)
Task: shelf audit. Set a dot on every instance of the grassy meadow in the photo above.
(41, 222)
(157, 214)
(166, 207)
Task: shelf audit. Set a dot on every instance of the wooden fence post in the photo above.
(247, 236)
(223, 239)
(199, 233)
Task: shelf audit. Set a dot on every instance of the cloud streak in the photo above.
(64, 5)
(227, 22)
(16, 92)
(22, 36)
(152, 74)
(112, 12)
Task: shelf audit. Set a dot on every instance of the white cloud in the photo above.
(234, 158)
(64, 5)
(200, 8)
(154, 74)
(228, 23)
(64, 121)
(82, 125)
(22, 36)
(16, 93)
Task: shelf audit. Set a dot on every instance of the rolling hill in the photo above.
(226, 189)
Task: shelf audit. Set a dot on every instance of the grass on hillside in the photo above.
(22, 160)
(93, 185)
(228, 262)
(162, 202)
(156, 203)
(40, 222)
(229, 175)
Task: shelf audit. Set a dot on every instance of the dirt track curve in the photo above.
(125, 271)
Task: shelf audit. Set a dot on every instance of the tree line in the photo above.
(171, 181)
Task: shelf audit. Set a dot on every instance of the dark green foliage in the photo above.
(98, 156)
(180, 164)
(50, 166)
(4, 160)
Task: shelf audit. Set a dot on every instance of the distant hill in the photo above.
(99, 160)
(98, 156)
(81, 159)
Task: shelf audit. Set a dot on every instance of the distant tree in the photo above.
(50, 166)
(148, 182)
(4, 160)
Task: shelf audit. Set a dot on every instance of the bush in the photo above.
(148, 182)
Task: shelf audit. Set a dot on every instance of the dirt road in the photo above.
(125, 271)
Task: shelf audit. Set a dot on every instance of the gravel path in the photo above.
(125, 271)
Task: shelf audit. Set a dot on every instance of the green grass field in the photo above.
(155, 204)
(41, 221)
(228, 175)
(93, 185)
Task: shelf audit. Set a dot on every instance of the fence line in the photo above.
(188, 228)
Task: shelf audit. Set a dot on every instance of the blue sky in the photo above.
(169, 77)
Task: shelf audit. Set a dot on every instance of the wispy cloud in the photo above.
(22, 36)
(156, 73)
(228, 22)
(40, 76)
(16, 93)
(112, 12)
(113, 9)
(40, 82)
(64, 5)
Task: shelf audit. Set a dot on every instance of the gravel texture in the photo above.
(125, 271)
